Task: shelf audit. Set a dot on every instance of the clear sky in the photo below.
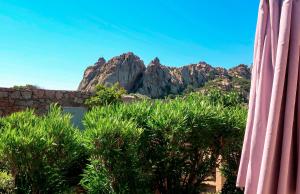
(49, 43)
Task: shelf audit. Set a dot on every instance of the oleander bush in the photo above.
(114, 143)
(105, 95)
(40, 152)
(169, 146)
(231, 150)
(152, 146)
(96, 178)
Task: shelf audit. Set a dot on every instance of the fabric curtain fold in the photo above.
(270, 162)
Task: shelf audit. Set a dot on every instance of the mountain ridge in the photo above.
(156, 80)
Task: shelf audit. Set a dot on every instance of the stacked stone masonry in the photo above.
(14, 100)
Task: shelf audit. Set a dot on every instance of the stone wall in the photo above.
(14, 100)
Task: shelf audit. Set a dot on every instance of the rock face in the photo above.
(90, 73)
(126, 69)
(157, 80)
(241, 71)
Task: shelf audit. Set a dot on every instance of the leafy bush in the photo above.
(231, 151)
(39, 151)
(177, 147)
(232, 134)
(167, 146)
(106, 95)
(113, 142)
(226, 99)
(96, 179)
(6, 183)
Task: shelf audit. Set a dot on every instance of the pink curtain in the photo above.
(270, 162)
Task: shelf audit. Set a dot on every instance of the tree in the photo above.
(106, 95)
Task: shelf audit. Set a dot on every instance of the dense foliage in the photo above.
(113, 142)
(106, 95)
(166, 146)
(235, 85)
(40, 152)
(96, 178)
(6, 183)
(169, 146)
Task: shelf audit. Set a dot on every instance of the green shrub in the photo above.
(96, 179)
(6, 183)
(167, 146)
(106, 95)
(113, 142)
(224, 98)
(232, 146)
(177, 147)
(39, 151)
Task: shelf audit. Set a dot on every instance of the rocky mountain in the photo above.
(157, 80)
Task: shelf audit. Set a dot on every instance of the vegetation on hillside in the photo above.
(232, 85)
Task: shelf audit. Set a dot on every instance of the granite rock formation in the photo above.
(127, 69)
(157, 80)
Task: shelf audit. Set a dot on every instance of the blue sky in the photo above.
(49, 43)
